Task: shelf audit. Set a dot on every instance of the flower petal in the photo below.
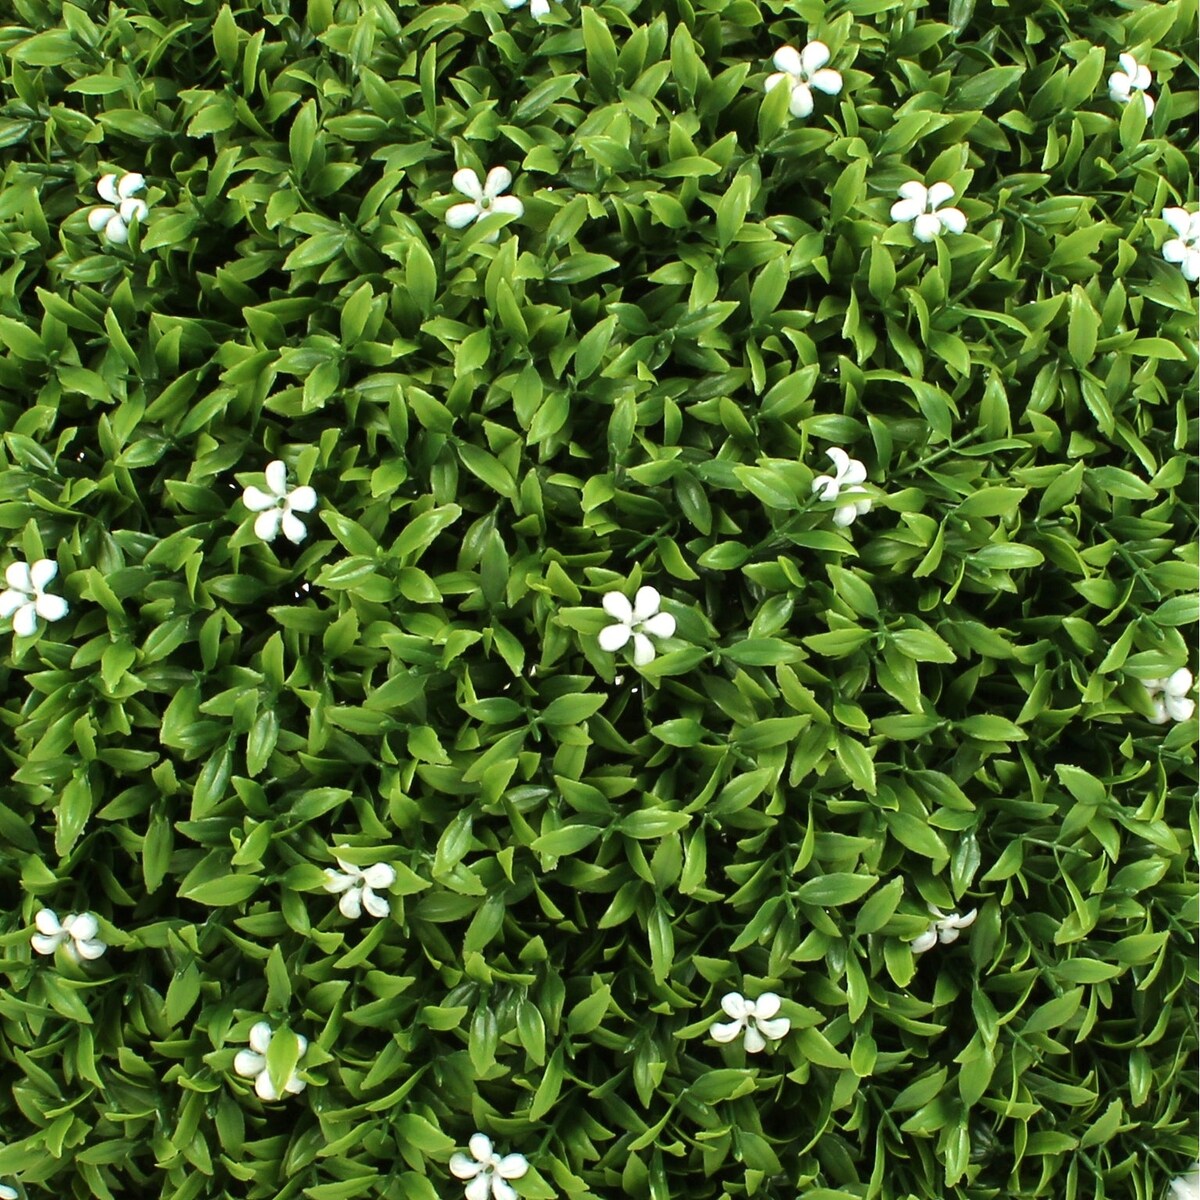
(24, 620)
(294, 529)
(661, 625)
(467, 182)
(853, 473)
(773, 81)
(99, 217)
(914, 189)
(107, 189)
(266, 525)
(926, 941)
(539, 9)
(276, 474)
(500, 1189)
(375, 904)
(1119, 87)
(776, 1029)
(1175, 251)
(264, 1087)
(512, 1166)
(787, 59)
(47, 922)
(380, 877)
(350, 905)
(248, 1064)
(1160, 716)
(116, 230)
(91, 948)
(726, 1032)
(814, 56)
(617, 607)
(939, 193)
(480, 1188)
(613, 637)
(844, 516)
(295, 1085)
(1142, 78)
(953, 220)
(801, 103)
(1191, 265)
(646, 603)
(1148, 101)
(480, 1146)
(643, 650)
(260, 1036)
(461, 1167)
(1179, 708)
(767, 1005)
(1179, 682)
(907, 210)
(458, 216)
(44, 944)
(926, 227)
(841, 462)
(499, 180)
(509, 206)
(11, 600)
(827, 486)
(134, 208)
(51, 608)
(827, 81)
(133, 182)
(256, 500)
(734, 1004)
(81, 926)
(1179, 220)
(18, 576)
(42, 572)
(336, 882)
(755, 1042)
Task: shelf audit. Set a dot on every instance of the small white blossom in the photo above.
(758, 1018)
(119, 192)
(1131, 78)
(801, 71)
(1170, 697)
(923, 207)
(488, 1171)
(252, 1063)
(77, 933)
(277, 508)
(537, 9)
(26, 598)
(844, 485)
(1185, 248)
(359, 887)
(485, 198)
(943, 928)
(640, 621)
(1187, 1187)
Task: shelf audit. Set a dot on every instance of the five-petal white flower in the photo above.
(277, 508)
(1170, 697)
(801, 71)
(757, 1017)
(849, 474)
(1187, 1187)
(77, 933)
(485, 198)
(923, 207)
(1131, 78)
(25, 599)
(640, 621)
(1185, 248)
(119, 192)
(488, 1171)
(943, 928)
(359, 887)
(252, 1063)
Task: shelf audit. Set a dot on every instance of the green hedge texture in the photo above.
(634, 382)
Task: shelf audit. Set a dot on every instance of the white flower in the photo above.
(115, 221)
(485, 197)
(26, 597)
(76, 933)
(278, 507)
(923, 207)
(1174, 703)
(1184, 249)
(1187, 1187)
(252, 1063)
(850, 473)
(487, 1170)
(1132, 77)
(359, 886)
(944, 928)
(757, 1017)
(801, 71)
(537, 9)
(640, 620)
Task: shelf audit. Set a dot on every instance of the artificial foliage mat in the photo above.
(248, 707)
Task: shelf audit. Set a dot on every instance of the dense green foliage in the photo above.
(635, 383)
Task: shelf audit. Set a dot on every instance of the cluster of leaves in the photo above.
(635, 383)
